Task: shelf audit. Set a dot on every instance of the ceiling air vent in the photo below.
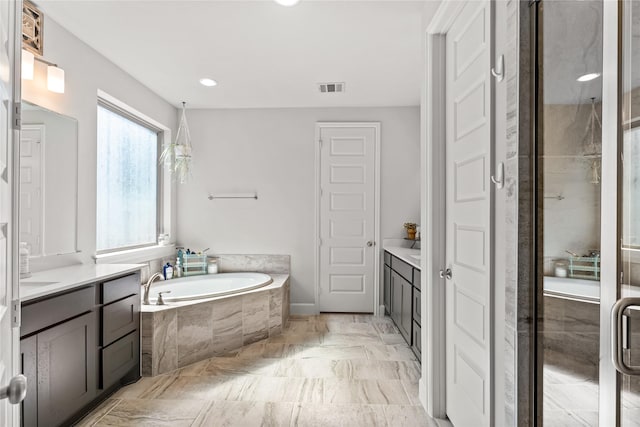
(331, 87)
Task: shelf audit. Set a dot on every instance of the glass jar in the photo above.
(212, 266)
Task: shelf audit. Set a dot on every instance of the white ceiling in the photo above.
(572, 45)
(263, 55)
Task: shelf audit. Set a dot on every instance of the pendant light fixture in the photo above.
(178, 154)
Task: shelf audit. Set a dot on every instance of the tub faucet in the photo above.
(147, 286)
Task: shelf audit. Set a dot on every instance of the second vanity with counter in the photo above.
(402, 291)
(79, 339)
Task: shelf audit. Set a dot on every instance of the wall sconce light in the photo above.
(55, 79)
(32, 43)
(28, 64)
(55, 74)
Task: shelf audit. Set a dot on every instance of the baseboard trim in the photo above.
(302, 309)
(381, 311)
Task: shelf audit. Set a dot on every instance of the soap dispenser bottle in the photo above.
(168, 271)
(177, 270)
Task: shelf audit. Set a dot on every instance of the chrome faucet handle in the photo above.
(160, 301)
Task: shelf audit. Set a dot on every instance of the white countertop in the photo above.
(404, 254)
(49, 282)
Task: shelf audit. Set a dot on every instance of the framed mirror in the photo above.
(48, 181)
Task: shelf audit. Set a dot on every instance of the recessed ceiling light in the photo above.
(208, 82)
(287, 2)
(588, 77)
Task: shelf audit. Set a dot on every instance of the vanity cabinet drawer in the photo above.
(120, 318)
(402, 268)
(416, 278)
(119, 358)
(114, 290)
(42, 314)
(387, 258)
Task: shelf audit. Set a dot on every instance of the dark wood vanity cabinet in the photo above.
(401, 296)
(76, 350)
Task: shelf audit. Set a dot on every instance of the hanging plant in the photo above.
(177, 155)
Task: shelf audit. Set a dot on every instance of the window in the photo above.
(127, 181)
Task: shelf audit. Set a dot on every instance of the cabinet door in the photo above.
(387, 289)
(407, 310)
(396, 297)
(66, 369)
(28, 357)
(417, 340)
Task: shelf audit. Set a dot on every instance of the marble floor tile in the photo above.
(152, 413)
(97, 414)
(407, 416)
(145, 388)
(279, 389)
(347, 339)
(386, 392)
(326, 370)
(394, 338)
(303, 338)
(230, 366)
(333, 352)
(202, 388)
(390, 352)
(310, 415)
(245, 414)
(386, 328)
(307, 368)
(413, 391)
(351, 328)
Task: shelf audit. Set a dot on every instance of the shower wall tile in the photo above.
(255, 318)
(509, 377)
(195, 326)
(258, 263)
(565, 315)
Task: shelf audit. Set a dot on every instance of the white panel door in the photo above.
(347, 218)
(468, 216)
(9, 330)
(31, 188)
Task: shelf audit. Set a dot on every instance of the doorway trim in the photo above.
(376, 238)
(433, 122)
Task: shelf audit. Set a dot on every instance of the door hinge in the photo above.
(319, 242)
(320, 142)
(16, 311)
(17, 116)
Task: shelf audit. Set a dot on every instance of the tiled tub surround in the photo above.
(182, 333)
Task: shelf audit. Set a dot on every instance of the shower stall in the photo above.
(586, 65)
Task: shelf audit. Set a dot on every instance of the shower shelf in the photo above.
(582, 267)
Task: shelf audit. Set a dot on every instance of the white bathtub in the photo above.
(208, 286)
(579, 289)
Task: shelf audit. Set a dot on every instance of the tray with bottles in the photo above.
(193, 264)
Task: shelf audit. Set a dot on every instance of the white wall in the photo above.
(86, 72)
(271, 151)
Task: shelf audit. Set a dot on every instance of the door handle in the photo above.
(617, 319)
(448, 274)
(16, 390)
(370, 243)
